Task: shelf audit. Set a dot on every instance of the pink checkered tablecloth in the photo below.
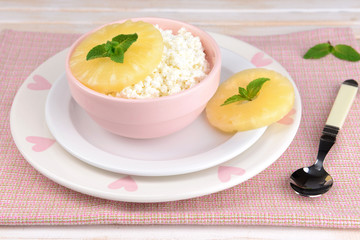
(27, 197)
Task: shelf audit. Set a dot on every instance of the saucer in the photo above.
(196, 147)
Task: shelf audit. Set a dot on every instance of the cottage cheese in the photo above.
(182, 66)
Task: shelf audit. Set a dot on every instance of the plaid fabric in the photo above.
(27, 197)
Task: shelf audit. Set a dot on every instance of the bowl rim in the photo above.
(216, 65)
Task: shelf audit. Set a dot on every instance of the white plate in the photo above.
(39, 148)
(197, 147)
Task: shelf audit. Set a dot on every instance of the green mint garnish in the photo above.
(340, 51)
(249, 93)
(113, 49)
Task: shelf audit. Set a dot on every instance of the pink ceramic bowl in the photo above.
(150, 118)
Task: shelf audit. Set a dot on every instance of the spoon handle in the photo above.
(342, 104)
(338, 113)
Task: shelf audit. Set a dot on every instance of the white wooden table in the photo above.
(243, 17)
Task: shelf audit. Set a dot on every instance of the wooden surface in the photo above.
(255, 17)
(248, 17)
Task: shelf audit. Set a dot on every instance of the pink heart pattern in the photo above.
(128, 183)
(259, 60)
(288, 120)
(40, 143)
(40, 83)
(225, 172)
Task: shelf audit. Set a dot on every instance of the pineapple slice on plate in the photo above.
(106, 76)
(273, 102)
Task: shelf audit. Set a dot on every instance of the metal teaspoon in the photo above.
(314, 181)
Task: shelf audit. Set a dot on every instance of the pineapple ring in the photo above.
(275, 99)
(106, 76)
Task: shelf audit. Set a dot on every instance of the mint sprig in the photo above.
(341, 51)
(248, 94)
(113, 49)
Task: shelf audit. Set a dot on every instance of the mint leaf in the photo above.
(254, 86)
(346, 52)
(233, 99)
(125, 41)
(97, 52)
(249, 93)
(119, 58)
(318, 51)
(115, 49)
(243, 92)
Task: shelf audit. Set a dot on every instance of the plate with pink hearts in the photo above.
(44, 153)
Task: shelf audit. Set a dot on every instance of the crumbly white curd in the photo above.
(183, 65)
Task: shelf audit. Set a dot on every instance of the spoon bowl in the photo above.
(311, 181)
